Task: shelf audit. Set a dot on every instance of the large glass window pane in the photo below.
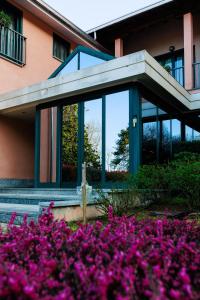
(148, 109)
(88, 60)
(149, 143)
(179, 70)
(72, 66)
(70, 144)
(165, 154)
(196, 135)
(117, 136)
(93, 139)
(188, 134)
(176, 136)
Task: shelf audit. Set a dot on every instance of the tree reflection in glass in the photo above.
(70, 143)
(117, 136)
(93, 139)
(149, 143)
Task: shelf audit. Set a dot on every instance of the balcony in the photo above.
(12, 45)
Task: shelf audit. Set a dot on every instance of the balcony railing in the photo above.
(12, 45)
(178, 74)
(196, 73)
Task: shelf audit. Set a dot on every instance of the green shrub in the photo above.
(184, 181)
(181, 177)
(150, 177)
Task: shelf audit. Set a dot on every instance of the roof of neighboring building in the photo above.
(129, 15)
(57, 21)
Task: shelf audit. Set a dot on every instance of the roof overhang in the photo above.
(138, 68)
(58, 22)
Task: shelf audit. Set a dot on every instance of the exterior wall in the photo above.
(156, 38)
(39, 60)
(16, 149)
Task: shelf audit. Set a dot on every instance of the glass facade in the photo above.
(81, 58)
(71, 67)
(113, 132)
(164, 135)
(87, 60)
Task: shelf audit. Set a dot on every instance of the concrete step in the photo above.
(34, 196)
(7, 210)
(36, 191)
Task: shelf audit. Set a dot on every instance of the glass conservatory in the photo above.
(112, 130)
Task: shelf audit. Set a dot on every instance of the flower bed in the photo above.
(126, 259)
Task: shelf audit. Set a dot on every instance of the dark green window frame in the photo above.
(61, 48)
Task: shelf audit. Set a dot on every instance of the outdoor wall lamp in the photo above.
(134, 121)
(172, 48)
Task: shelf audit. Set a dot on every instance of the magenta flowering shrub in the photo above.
(126, 259)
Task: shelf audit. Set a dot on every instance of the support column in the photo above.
(188, 50)
(119, 47)
(135, 129)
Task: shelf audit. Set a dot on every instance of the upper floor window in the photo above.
(12, 42)
(60, 47)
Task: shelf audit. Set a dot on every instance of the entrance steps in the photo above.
(35, 196)
(31, 201)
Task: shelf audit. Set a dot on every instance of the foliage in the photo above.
(126, 259)
(184, 178)
(5, 19)
(181, 177)
(122, 201)
(150, 177)
(189, 146)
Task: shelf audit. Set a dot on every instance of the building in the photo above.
(138, 102)
(37, 40)
(35, 43)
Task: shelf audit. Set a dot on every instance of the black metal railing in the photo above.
(178, 74)
(12, 45)
(196, 75)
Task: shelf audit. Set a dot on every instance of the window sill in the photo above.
(11, 61)
(60, 60)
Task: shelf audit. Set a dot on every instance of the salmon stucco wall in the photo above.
(16, 149)
(40, 63)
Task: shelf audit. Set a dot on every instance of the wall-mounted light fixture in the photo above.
(171, 48)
